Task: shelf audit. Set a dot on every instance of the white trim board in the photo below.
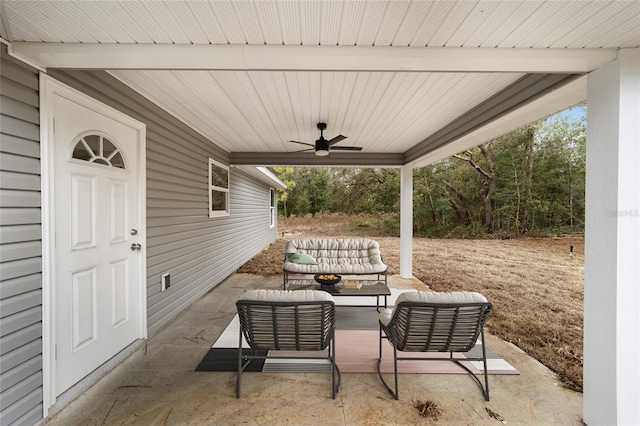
(312, 58)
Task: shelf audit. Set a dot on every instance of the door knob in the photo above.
(135, 247)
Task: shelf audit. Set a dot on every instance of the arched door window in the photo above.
(98, 149)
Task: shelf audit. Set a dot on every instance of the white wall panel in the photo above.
(119, 282)
(119, 226)
(83, 308)
(83, 212)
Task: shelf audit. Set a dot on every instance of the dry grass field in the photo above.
(535, 286)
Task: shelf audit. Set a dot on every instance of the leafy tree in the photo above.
(514, 179)
(286, 175)
(560, 163)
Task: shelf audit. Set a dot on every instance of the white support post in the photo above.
(406, 221)
(612, 244)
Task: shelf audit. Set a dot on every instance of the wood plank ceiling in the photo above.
(387, 112)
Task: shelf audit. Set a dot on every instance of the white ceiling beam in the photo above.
(334, 159)
(313, 58)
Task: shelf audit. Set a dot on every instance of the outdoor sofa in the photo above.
(349, 256)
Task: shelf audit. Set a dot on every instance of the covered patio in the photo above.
(409, 82)
(158, 384)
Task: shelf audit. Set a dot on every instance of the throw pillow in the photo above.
(301, 258)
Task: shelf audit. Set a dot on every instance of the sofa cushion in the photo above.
(287, 296)
(301, 258)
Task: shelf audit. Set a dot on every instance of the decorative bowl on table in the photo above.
(327, 279)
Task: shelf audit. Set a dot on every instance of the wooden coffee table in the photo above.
(369, 288)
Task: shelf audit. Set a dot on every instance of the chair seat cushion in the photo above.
(453, 297)
(287, 296)
(441, 297)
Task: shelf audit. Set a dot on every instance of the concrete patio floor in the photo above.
(157, 385)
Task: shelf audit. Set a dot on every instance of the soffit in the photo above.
(508, 24)
(260, 111)
(250, 100)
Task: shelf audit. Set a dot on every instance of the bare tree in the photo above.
(489, 185)
(526, 222)
(460, 206)
(432, 204)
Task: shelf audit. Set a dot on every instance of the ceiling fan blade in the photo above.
(346, 148)
(336, 140)
(302, 150)
(304, 143)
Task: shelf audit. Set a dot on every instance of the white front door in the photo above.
(97, 244)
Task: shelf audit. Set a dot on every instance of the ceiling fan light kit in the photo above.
(323, 146)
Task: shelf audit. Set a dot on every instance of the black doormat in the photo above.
(226, 359)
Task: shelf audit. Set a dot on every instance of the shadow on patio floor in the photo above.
(158, 384)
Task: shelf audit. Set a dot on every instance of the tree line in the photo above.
(528, 182)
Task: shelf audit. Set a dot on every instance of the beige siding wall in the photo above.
(20, 245)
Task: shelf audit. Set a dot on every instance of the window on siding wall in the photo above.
(274, 206)
(218, 189)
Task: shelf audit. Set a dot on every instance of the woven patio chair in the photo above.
(275, 320)
(435, 322)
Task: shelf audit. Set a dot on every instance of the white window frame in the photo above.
(218, 213)
(273, 207)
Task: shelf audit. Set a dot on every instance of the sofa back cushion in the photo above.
(454, 297)
(336, 250)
